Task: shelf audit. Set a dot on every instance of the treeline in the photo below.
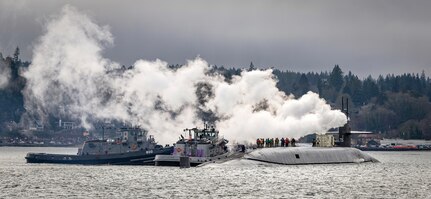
(11, 97)
(397, 106)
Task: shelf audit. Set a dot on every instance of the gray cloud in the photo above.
(366, 37)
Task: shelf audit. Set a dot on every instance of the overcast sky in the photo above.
(367, 37)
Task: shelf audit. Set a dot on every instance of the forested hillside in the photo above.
(11, 98)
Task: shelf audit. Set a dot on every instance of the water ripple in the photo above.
(399, 175)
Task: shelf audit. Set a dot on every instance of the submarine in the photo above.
(309, 155)
(326, 151)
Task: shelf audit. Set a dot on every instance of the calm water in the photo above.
(399, 175)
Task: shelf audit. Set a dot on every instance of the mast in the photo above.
(344, 132)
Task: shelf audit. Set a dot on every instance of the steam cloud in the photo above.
(69, 77)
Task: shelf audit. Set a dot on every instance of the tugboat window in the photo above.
(297, 156)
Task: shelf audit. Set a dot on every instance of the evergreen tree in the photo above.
(423, 80)
(251, 68)
(336, 78)
(303, 85)
(353, 87)
(320, 87)
(16, 55)
(370, 88)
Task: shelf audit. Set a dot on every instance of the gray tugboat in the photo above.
(203, 145)
(133, 147)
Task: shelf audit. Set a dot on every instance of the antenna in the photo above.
(347, 105)
(342, 104)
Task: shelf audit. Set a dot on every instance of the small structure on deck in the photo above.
(325, 141)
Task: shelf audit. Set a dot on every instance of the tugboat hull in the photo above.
(174, 160)
(129, 158)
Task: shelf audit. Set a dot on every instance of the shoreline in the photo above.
(38, 145)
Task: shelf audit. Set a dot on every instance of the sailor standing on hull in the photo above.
(293, 142)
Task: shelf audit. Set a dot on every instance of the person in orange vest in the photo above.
(287, 141)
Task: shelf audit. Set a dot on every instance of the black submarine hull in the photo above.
(144, 157)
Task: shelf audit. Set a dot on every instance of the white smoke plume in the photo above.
(69, 76)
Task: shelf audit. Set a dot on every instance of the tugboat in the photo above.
(133, 147)
(204, 146)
